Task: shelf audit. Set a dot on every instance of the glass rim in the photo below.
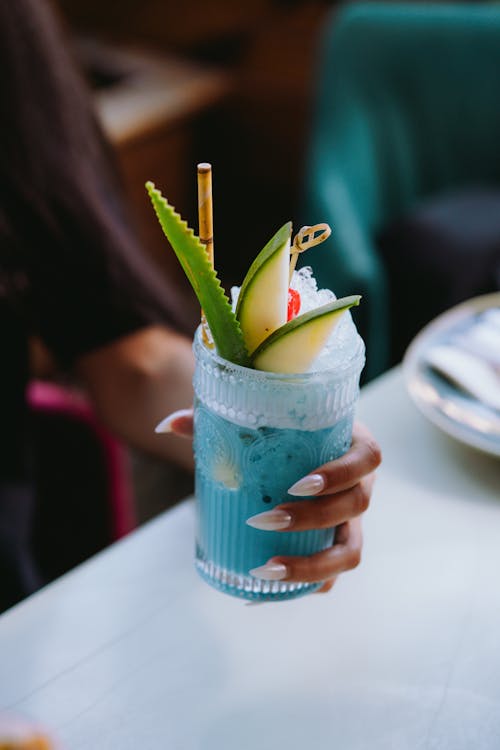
(353, 362)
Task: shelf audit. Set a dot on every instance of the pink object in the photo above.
(55, 399)
(293, 304)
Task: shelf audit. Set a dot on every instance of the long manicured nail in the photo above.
(270, 520)
(310, 485)
(270, 572)
(167, 424)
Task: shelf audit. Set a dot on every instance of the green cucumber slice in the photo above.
(263, 299)
(293, 347)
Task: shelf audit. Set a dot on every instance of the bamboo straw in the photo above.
(206, 228)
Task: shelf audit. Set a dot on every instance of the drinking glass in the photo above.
(256, 434)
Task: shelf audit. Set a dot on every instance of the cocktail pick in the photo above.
(304, 239)
(206, 228)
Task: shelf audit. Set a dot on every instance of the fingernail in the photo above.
(310, 485)
(270, 520)
(270, 572)
(166, 425)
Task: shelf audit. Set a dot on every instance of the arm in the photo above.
(135, 381)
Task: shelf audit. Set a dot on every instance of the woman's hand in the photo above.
(136, 379)
(341, 490)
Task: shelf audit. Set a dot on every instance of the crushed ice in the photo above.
(343, 338)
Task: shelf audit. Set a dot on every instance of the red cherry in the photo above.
(293, 304)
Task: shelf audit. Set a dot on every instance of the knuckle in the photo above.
(361, 498)
(353, 558)
(374, 452)
(344, 470)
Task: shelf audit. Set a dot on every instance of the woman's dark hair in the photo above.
(61, 211)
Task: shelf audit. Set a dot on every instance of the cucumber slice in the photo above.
(294, 346)
(263, 299)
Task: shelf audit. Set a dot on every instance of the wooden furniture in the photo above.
(255, 136)
(153, 108)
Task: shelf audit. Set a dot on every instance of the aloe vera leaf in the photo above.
(192, 255)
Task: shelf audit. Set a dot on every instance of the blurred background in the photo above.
(175, 84)
(370, 116)
(223, 82)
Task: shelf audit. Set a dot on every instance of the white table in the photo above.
(132, 651)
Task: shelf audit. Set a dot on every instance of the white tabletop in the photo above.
(132, 651)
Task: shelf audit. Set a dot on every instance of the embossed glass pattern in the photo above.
(256, 434)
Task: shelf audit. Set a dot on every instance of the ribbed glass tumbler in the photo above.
(256, 434)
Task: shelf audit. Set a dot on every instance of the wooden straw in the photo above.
(205, 218)
(206, 227)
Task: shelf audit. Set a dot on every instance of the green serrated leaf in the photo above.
(193, 258)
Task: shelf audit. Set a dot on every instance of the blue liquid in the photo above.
(241, 472)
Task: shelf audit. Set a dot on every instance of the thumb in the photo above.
(178, 423)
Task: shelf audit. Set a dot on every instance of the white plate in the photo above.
(456, 413)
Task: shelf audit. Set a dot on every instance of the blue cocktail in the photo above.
(276, 384)
(256, 434)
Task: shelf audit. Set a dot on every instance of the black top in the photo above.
(70, 270)
(77, 293)
(75, 289)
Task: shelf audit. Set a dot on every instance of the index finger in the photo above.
(342, 473)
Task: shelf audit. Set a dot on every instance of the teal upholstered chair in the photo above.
(407, 105)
